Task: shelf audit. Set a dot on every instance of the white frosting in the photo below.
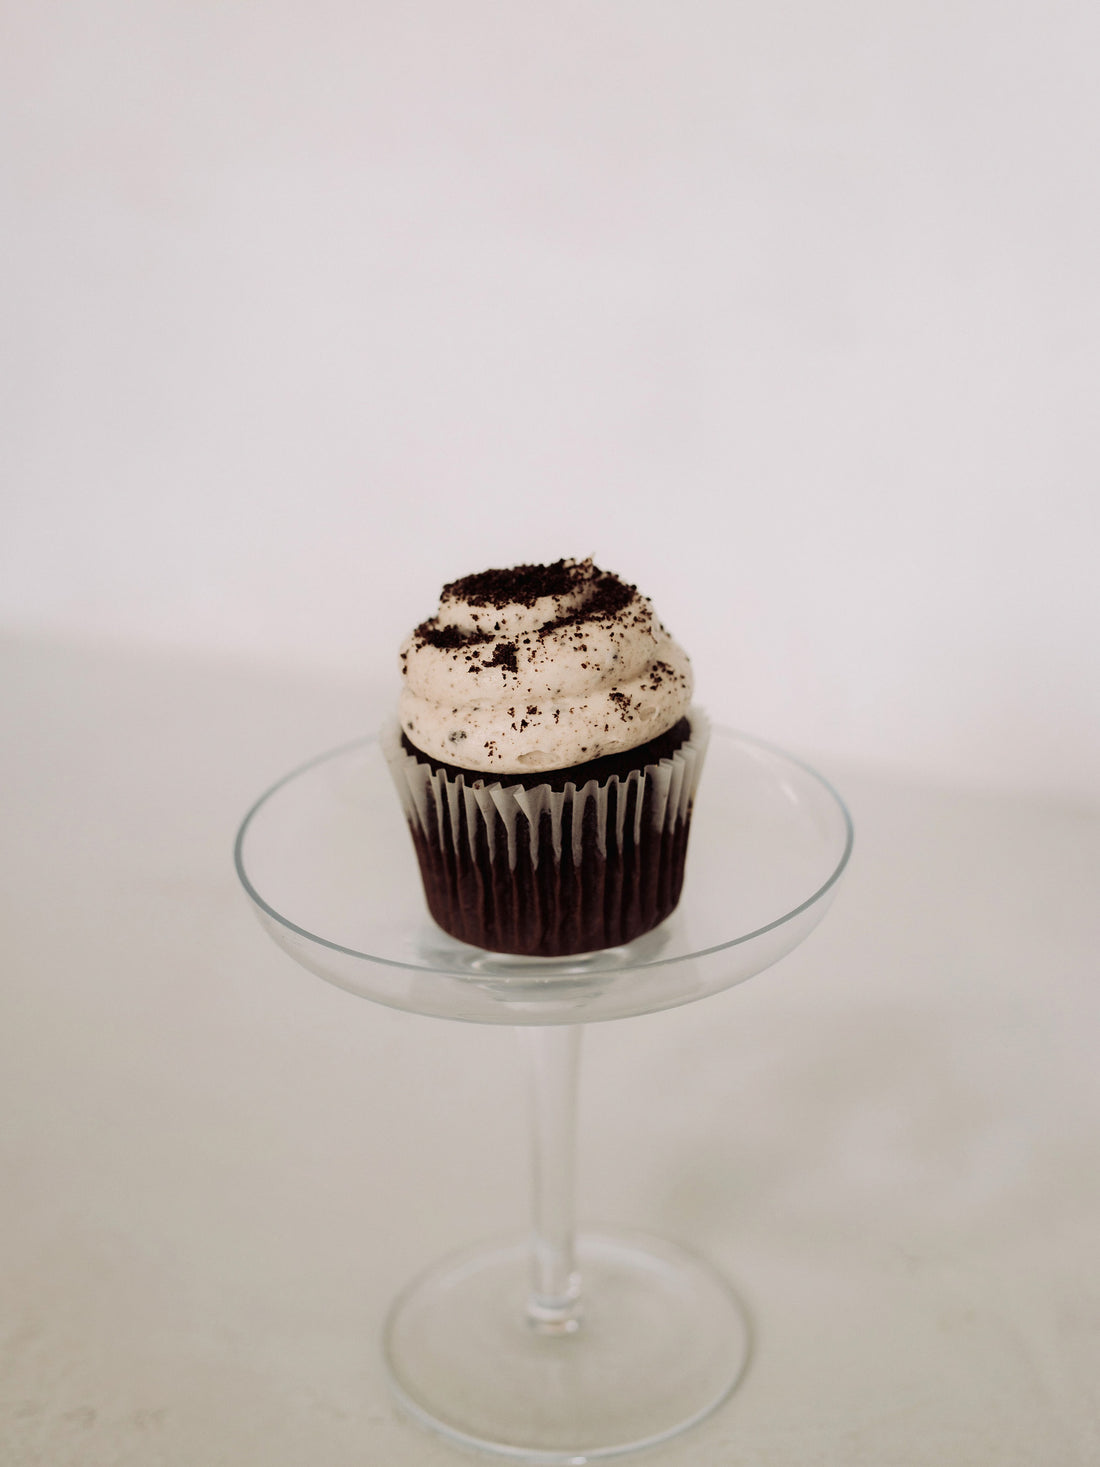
(541, 683)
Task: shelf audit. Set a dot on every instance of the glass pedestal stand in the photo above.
(558, 1347)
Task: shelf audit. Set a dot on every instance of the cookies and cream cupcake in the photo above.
(547, 756)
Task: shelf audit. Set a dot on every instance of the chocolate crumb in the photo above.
(504, 656)
(449, 638)
(603, 595)
(521, 585)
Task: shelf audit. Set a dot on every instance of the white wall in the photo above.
(789, 312)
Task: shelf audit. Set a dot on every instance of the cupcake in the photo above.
(547, 757)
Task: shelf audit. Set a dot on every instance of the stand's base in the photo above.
(662, 1341)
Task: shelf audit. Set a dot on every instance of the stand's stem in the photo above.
(553, 1051)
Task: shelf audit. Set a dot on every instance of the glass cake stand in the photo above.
(499, 1347)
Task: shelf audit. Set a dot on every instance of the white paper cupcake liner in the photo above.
(539, 870)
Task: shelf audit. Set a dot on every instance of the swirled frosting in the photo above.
(540, 667)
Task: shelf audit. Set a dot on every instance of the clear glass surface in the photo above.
(561, 1347)
(326, 857)
(661, 1342)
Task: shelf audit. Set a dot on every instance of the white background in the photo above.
(787, 312)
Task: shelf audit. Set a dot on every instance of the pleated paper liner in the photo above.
(539, 872)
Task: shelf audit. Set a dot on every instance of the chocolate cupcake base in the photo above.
(557, 864)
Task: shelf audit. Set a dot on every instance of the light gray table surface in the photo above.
(216, 1171)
